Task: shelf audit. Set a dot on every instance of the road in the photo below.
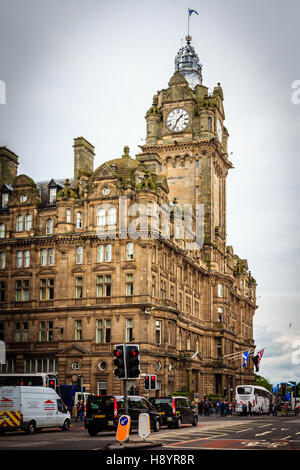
(256, 432)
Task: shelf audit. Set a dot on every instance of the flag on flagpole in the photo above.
(245, 358)
(256, 359)
(193, 11)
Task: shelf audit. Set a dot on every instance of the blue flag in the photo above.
(245, 357)
(193, 11)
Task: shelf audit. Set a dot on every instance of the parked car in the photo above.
(102, 412)
(175, 411)
(31, 409)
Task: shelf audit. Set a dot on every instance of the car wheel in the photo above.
(92, 432)
(179, 423)
(195, 421)
(30, 428)
(66, 425)
(156, 426)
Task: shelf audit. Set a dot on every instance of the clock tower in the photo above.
(185, 128)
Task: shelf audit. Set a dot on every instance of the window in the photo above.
(169, 334)
(17, 332)
(154, 254)
(219, 348)
(112, 216)
(40, 365)
(129, 330)
(104, 285)
(197, 191)
(101, 220)
(49, 227)
(78, 287)
(209, 123)
(163, 289)
(188, 304)
(51, 256)
(78, 330)
(2, 291)
(153, 286)
(52, 195)
(46, 331)
(220, 314)
(19, 225)
(25, 332)
(104, 253)
(220, 290)
(79, 220)
(46, 289)
(188, 342)
(99, 332)
(129, 284)
(79, 254)
(4, 200)
(22, 290)
(19, 259)
(26, 258)
(44, 257)
(107, 330)
(158, 332)
(69, 214)
(197, 164)
(129, 250)
(2, 230)
(28, 221)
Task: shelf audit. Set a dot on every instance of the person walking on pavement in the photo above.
(200, 408)
(79, 409)
(249, 408)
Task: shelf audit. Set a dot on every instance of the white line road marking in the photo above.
(243, 430)
(284, 429)
(286, 437)
(263, 433)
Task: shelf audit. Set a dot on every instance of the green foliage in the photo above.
(263, 382)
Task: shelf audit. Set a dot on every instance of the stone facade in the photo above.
(68, 294)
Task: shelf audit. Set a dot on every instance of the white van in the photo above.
(31, 409)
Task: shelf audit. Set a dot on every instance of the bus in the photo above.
(259, 397)
(38, 379)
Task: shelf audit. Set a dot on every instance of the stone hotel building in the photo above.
(68, 294)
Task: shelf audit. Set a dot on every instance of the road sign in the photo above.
(123, 429)
(144, 425)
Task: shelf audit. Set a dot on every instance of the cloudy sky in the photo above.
(90, 68)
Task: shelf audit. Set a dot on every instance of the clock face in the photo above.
(219, 130)
(177, 120)
(105, 191)
(23, 198)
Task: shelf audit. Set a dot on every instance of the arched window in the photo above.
(112, 216)
(79, 254)
(188, 342)
(100, 217)
(19, 225)
(2, 230)
(49, 227)
(28, 219)
(79, 220)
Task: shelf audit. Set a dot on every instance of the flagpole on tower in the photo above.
(189, 21)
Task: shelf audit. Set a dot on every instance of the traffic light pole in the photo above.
(125, 397)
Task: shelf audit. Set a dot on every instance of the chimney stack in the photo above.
(83, 158)
(8, 166)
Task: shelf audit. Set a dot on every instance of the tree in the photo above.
(263, 382)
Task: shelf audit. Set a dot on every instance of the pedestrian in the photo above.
(229, 409)
(200, 408)
(79, 409)
(249, 408)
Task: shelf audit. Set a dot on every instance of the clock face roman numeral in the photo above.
(177, 120)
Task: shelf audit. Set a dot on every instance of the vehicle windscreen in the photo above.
(161, 404)
(244, 390)
(19, 380)
(96, 403)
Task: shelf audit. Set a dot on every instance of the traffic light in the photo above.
(51, 383)
(136, 390)
(120, 362)
(153, 382)
(147, 382)
(132, 361)
(283, 389)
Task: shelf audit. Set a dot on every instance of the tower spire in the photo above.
(188, 64)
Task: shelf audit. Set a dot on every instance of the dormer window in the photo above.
(52, 195)
(4, 200)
